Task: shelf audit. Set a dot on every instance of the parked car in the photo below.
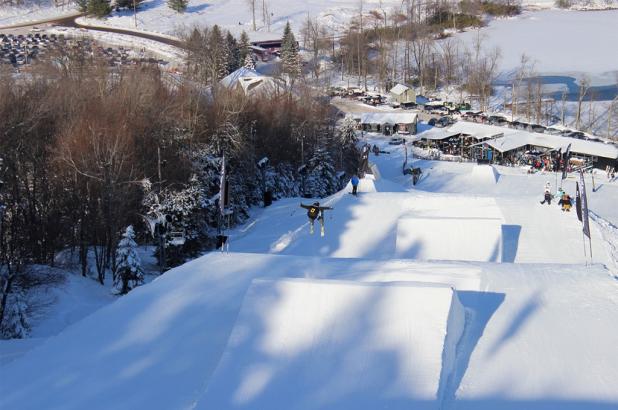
(397, 141)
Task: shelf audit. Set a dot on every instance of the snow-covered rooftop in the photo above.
(388, 118)
(513, 139)
(399, 89)
(231, 79)
(437, 134)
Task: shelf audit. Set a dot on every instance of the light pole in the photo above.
(135, 12)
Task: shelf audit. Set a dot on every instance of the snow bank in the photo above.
(468, 239)
(307, 344)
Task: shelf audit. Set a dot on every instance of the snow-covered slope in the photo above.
(537, 335)
(307, 344)
(168, 336)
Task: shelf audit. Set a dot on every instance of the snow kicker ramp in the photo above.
(484, 175)
(451, 228)
(322, 344)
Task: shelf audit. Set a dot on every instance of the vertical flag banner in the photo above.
(567, 158)
(584, 206)
(222, 187)
(578, 202)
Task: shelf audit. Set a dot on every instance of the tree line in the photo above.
(88, 150)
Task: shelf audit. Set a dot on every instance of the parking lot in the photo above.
(21, 49)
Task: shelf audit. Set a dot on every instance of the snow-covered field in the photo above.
(32, 11)
(560, 42)
(292, 320)
(235, 16)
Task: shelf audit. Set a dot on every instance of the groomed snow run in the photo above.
(306, 344)
(536, 336)
(539, 330)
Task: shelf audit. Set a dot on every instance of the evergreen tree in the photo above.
(290, 59)
(249, 62)
(244, 47)
(99, 8)
(128, 4)
(179, 6)
(234, 61)
(82, 5)
(348, 152)
(129, 272)
(15, 323)
(321, 178)
(219, 54)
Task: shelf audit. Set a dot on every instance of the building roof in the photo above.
(514, 139)
(436, 134)
(479, 131)
(399, 89)
(388, 118)
(231, 79)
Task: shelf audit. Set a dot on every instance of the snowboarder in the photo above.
(376, 150)
(315, 211)
(565, 201)
(354, 181)
(560, 193)
(548, 195)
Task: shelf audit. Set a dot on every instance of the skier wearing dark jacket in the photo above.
(315, 211)
(547, 197)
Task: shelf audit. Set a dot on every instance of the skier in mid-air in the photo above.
(315, 211)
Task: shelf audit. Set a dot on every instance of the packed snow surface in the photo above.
(306, 344)
(539, 329)
(530, 333)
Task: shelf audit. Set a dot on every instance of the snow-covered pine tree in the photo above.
(249, 62)
(290, 59)
(219, 54)
(347, 132)
(346, 145)
(321, 178)
(178, 5)
(128, 4)
(129, 272)
(233, 59)
(99, 8)
(244, 47)
(15, 323)
(82, 5)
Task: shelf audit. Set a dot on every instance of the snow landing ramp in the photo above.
(484, 175)
(464, 239)
(323, 344)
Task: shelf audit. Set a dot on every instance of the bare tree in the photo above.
(584, 86)
(252, 5)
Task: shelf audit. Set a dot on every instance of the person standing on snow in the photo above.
(547, 197)
(565, 201)
(560, 193)
(354, 181)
